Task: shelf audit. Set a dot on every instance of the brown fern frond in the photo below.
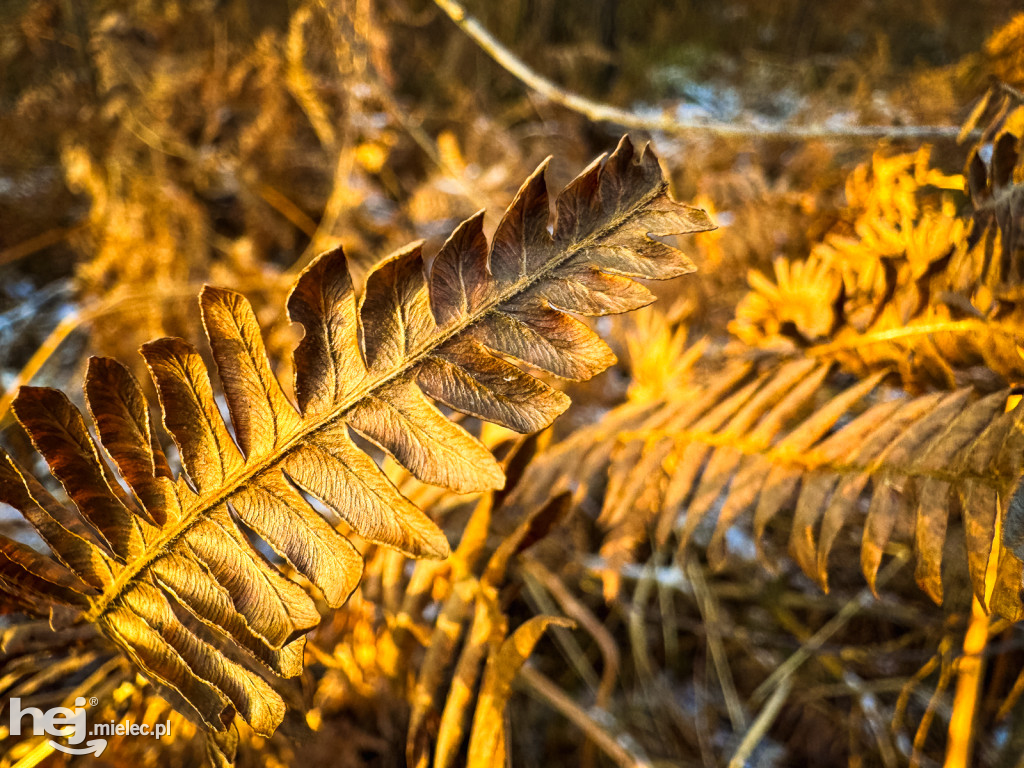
(749, 449)
(994, 174)
(137, 563)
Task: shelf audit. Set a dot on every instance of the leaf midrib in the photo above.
(252, 469)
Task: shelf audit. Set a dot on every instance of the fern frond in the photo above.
(993, 173)
(788, 444)
(471, 640)
(913, 287)
(165, 570)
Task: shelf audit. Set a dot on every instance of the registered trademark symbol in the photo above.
(94, 701)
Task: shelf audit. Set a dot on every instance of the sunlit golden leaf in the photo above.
(487, 743)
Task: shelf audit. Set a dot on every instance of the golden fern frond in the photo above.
(1003, 49)
(165, 569)
(800, 300)
(750, 448)
(912, 287)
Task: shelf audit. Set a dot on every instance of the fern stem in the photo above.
(910, 331)
(970, 668)
(807, 461)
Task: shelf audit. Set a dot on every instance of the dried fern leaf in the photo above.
(138, 562)
(918, 289)
(790, 447)
(993, 182)
(487, 747)
(470, 616)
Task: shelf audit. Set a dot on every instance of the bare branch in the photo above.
(606, 113)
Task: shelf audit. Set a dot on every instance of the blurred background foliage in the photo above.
(149, 147)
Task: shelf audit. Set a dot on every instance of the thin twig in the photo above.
(283, 205)
(599, 112)
(934, 706)
(708, 607)
(867, 702)
(85, 315)
(571, 648)
(575, 609)
(637, 622)
(545, 690)
(761, 725)
(57, 336)
(837, 622)
(36, 755)
(37, 243)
